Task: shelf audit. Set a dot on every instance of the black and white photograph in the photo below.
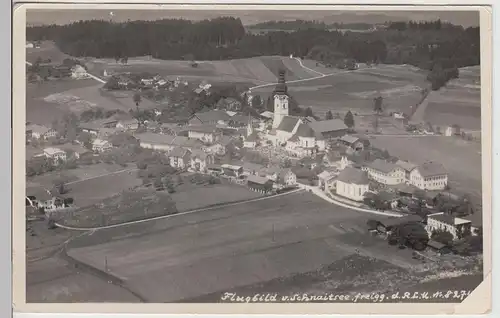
(224, 156)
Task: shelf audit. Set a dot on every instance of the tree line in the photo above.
(421, 44)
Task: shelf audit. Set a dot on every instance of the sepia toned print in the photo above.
(254, 157)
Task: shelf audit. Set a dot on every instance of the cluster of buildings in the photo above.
(127, 81)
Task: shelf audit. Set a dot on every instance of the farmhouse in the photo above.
(99, 145)
(166, 142)
(200, 160)
(260, 184)
(206, 133)
(438, 247)
(286, 178)
(171, 129)
(128, 124)
(211, 117)
(407, 167)
(326, 180)
(34, 131)
(79, 72)
(220, 146)
(385, 172)
(458, 227)
(250, 168)
(214, 169)
(352, 183)
(180, 158)
(355, 143)
(232, 170)
(55, 154)
(74, 151)
(429, 176)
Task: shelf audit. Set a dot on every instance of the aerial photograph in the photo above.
(217, 156)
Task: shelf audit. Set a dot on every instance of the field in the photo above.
(194, 254)
(457, 103)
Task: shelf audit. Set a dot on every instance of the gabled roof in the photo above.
(178, 152)
(267, 114)
(288, 123)
(349, 139)
(203, 128)
(408, 166)
(52, 151)
(353, 175)
(324, 126)
(196, 153)
(258, 179)
(212, 115)
(430, 169)
(304, 130)
(383, 166)
(448, 219)
(153, 138)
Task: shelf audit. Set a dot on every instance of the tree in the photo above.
(372, 224)
(137, 99)
(256, 101)
(442, 236)
(377, 104)
(287, 163)
(329, 115)
(349, 120)
(309, 112)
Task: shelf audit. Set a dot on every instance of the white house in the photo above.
(352, 183)
(128, 124)
(29, 45)
(79, 72)
(180, 158)
(286, 178)
(34, 131)
(458, 227)
(326, 180)
(407, 167)
(99, 145)
(200, 161)
(385, 172)
(55, 154)
(429, 176)
(205, 133)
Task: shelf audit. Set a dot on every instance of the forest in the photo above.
(422, 44)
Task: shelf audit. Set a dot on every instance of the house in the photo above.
(267, 115)
(407, 167)
(61, 71)
(200, 161)
(170, 129)
(259, 184)
(29, 45)
(453, 130)
(429, 176)
(228, 103)
(94, 127)
(167, 142)
(34, 131)
(215, 169)
(220, 146)
(286, 178)
(352, 183)
(99, 145)
(250, 168)
(79, 72)
(271, 173)
(55, 154)
(74, 150)
(206, 133)
(355, 143)
(326, 180)
(458, 227)
(211, 117)
(329, 128)
(389, 224)
(180, 158)
(128, 124)
(251, 140)
(232, 170)
(385, 172)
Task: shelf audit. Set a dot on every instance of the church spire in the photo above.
(281, 86)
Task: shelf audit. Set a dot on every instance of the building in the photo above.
(166, 143)
(231, 170)
(79, 72)
(385, 172)
(458, 227)
(128, 124)
(250, 168)
(34, 131)
(271, 173)
(452, 131)
(251, 137)
(180, 158)
(55, 154)
(286, 178)
(206, 133)
(389, 224)
(429, 176)
(200, 161)
(355, 143)
(211, 117)
(326, 180)
(220, 146)
(74, 150)
(267, 115)
(438, 247)
(352, 183)
(99, 145)
(259, 184)
(407, 167)
(215, 169)
(281, 100)
(29, 45)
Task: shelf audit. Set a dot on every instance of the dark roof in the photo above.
(430, 169)
(383, 166)
(435, 244)
(304, 131)
(324, 126)
(155, 138)
(203, 128)
(349, 139)
(445, 218)
(258, 179)
(408, 166)
(214, 167)
(288, 123)
(283, 172)
(391, 222)
(212, 115)
(353, 175)
(178, 152)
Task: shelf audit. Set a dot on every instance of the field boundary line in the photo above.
(102, 175)
(307, 68)
(172, 215)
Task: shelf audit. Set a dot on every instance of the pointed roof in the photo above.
(353, 175)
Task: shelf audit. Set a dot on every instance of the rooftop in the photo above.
(257, 179)
(37, 128)
(353, 175)
(408, 166)
(178, 152)
(52, 151)
(382, 165)
(324, 126)
(212, 115)
(349, 139)
(288, 123)
(430, 169)
(267, 114)
(448, 219)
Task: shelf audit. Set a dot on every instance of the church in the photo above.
(299, 136)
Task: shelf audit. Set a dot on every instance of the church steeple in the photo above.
(281, 86)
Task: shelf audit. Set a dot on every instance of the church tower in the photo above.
(280, 100)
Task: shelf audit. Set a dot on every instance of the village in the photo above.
(269, 152)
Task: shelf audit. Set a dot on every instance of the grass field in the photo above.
(195, 254)
(457, 103)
